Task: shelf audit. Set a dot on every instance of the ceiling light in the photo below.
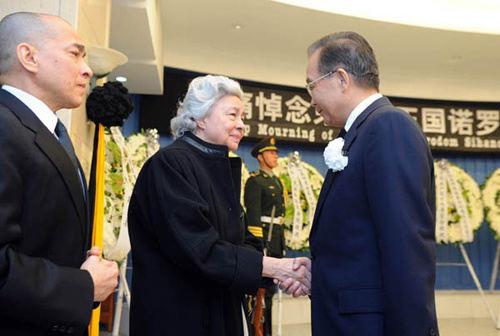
(478, 16)
(237, 26)
(121, 79)
(103, 60)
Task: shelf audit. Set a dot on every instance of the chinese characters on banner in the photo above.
(456, 126)
(448, 126)
(286, 115)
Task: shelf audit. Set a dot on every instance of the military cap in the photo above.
(266, 144)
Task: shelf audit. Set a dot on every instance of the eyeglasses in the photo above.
(310, 86)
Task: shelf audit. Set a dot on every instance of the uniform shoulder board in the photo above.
(254, 174)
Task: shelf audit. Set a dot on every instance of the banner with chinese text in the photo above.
(456, 126)
(448, 126)
(286, 113)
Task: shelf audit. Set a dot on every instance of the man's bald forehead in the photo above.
(29, 27)
(21, 27)
(25, 27)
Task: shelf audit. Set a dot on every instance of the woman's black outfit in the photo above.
(193, 257)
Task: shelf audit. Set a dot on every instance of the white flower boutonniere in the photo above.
(334, 157)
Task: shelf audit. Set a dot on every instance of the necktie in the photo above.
(342, 133)
(64, 139)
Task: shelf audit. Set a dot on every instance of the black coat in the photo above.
(192, 255)
(43, 230)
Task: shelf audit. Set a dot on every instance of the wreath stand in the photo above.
(473, 274)
(123, 290)
(490, 202)
(123, 242)
(494, 273)
(445, 180)
(280, 310)
(494, 276)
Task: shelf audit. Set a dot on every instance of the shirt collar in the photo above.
(39, 108)
(267, 172)
(205, 147)
(359, 109)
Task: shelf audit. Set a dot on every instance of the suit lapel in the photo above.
(55, 152)
(353, 131)
(348, 141)
(330, 175)
(51, 147)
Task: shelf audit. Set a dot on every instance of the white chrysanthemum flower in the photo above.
(109, 238)
(334, 158)
(454, 233)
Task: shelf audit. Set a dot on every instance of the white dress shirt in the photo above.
(42, 111)
(359, 109)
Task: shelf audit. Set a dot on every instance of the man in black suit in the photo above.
(47, 286)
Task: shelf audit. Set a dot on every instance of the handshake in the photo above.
(292, 275)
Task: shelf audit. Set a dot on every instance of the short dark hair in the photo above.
(350, 51)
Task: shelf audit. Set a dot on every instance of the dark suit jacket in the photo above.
(43, 230)
(373, 240)
(193, 257)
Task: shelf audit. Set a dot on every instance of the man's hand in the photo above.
(293, 286)
(294, 273)
(94, 251)
(104, 274)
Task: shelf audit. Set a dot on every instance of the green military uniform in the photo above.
(264, 190)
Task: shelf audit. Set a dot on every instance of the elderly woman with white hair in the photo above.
(193, 256)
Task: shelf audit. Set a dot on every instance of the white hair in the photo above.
(202, 94)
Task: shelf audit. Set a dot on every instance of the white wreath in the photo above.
(244, 177)
(306, 182)
(491, 198)
(122, 155)
(459, 207)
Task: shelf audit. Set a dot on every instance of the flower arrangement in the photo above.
(244, 177)
(141, 146)
(306, 205)
(334, 156)
(491, 197)
(122, 155)
(109, 104)
(459, 210)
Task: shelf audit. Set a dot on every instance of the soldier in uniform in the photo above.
(263, 191)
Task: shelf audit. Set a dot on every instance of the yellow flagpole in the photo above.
(97, 231)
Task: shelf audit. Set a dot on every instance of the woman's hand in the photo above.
(293, 275)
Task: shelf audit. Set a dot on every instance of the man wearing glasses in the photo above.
(372, 241)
